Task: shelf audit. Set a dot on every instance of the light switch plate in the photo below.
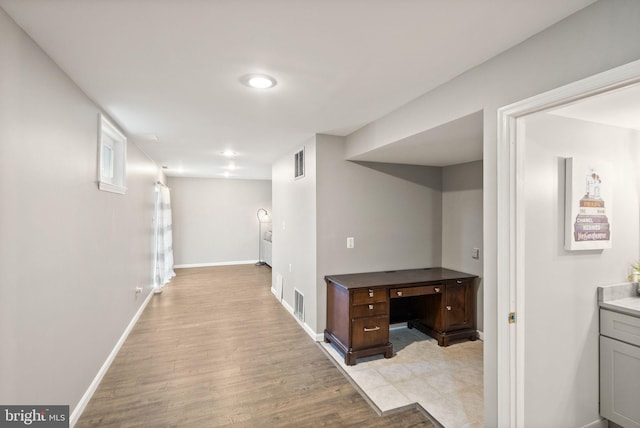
(475, 253)
(350, 242)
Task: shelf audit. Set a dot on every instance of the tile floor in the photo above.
(445, 381)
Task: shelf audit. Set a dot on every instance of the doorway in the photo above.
(553, 343)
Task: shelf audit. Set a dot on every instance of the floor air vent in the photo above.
(298, 304)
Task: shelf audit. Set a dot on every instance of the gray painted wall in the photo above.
(595, 39)
(393, 212)
(396, 222)
(71, 256)
(215, 220)
(294, 229)
(462, 223)
(561, 313)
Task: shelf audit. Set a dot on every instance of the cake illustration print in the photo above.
(592, 223)
(588, 204)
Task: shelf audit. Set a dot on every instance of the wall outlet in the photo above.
(475, 253)
(350, 242)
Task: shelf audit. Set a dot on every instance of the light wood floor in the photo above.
(217, 349)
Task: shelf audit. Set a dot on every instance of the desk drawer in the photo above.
(416, 291)
(369, 296)
(370, 331)
(371, 309)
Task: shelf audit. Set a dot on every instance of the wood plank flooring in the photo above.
(217, 349)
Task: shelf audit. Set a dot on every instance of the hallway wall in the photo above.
(215, 219)
(71, 256)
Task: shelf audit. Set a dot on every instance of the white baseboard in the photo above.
(317, 337)
(480, 335)
(276, 287)
(600, 423)
(194, 265)
(82, 404)
(287, 307)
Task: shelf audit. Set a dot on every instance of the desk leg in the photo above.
(349, 359)
(389, 352)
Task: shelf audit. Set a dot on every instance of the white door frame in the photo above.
(510, 240)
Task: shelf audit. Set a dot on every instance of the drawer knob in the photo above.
(448, 308)
(459, 282)
(370, 293)
(437, 289)
(371, 307)
(399, 293)
(376, 328)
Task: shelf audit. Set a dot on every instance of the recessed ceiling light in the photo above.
(228, 153)
(258, 81)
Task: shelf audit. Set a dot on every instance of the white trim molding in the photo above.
(82, 404)
(194, 265)
(600, 423)
(510, 240)
(108, 187)
(317, 337)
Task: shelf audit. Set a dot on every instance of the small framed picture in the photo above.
(588, 204)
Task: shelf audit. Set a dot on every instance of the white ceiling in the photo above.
(171, 68)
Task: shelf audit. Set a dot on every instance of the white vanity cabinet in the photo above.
(620, 368)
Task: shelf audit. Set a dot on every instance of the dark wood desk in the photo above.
(437, 301)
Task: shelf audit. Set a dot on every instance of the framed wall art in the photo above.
(588, 204)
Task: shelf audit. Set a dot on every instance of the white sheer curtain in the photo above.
(163, 271)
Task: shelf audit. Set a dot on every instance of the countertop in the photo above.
(623, 298)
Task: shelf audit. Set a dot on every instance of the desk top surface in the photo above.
(397, 277)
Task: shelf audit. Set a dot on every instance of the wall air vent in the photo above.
(298, 305)
(298, 166)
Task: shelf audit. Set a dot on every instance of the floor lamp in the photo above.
(263, 217)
